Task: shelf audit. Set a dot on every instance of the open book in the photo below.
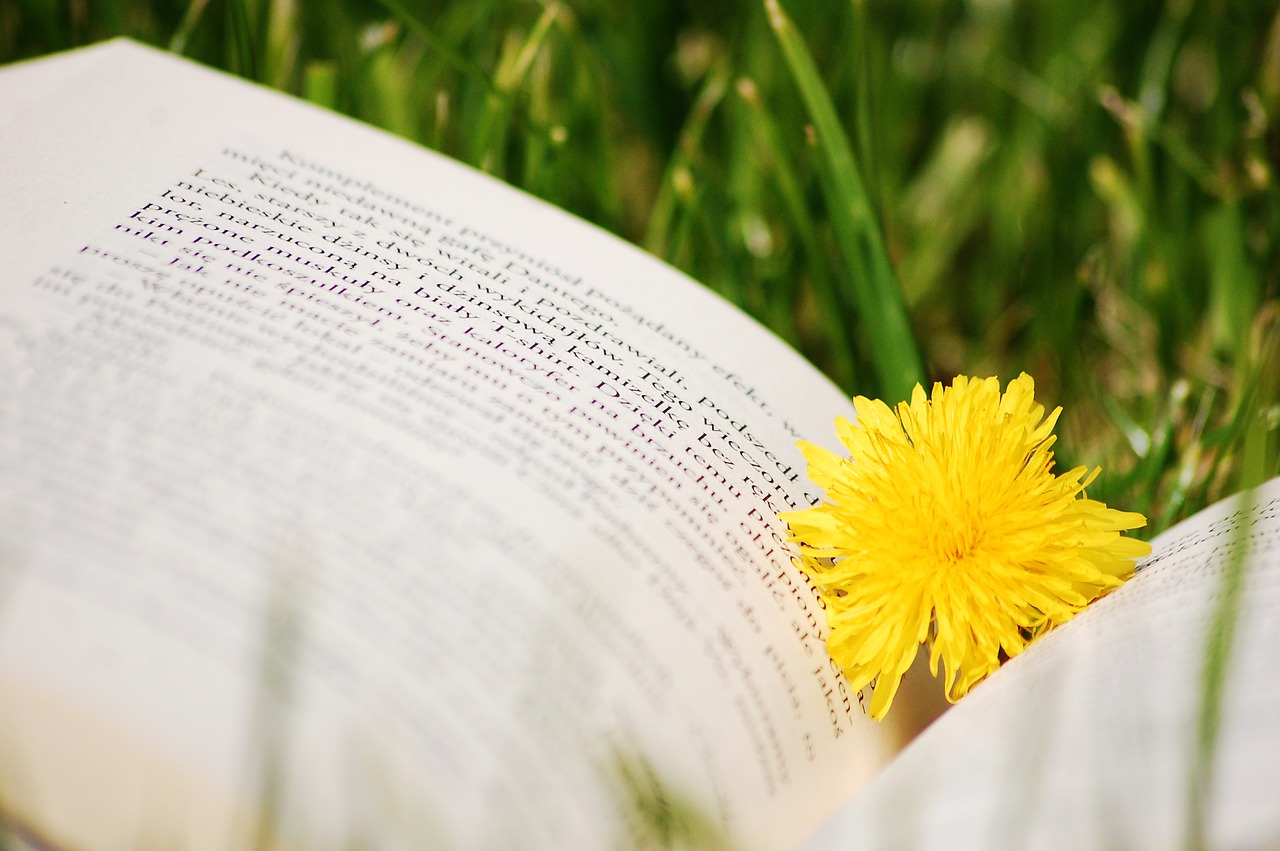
(342, 484)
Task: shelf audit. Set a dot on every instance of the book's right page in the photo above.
(1088, 739)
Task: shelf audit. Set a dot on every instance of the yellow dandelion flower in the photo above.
(946, 525)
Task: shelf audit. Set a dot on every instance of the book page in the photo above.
(331, 461)
(27, 83)
(1087, 739)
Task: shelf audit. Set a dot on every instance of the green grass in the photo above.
(1082, 190)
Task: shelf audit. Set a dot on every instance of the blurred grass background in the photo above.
(912, 189)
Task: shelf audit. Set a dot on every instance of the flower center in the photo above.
(955, 540)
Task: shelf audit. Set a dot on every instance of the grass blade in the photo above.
(1217, 658)
(891, 346)
(495, 122)
(443, 48)
(676, 188)
(241, 56)
(190, 19)
(839, 330)
(320, 84)
(1260, 442)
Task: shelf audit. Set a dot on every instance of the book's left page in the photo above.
(343, 483)
(25, 85)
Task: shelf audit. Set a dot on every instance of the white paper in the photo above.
(516, 478)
